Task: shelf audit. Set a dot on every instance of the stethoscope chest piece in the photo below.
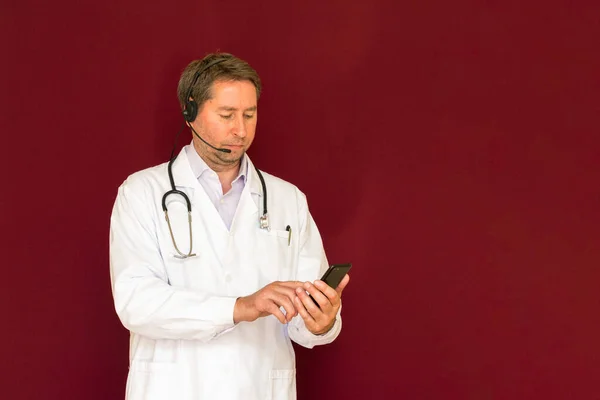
(264, 219)
(264, 222)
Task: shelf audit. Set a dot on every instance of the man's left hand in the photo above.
(319, 320)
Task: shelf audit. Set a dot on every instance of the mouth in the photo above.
(233, 146)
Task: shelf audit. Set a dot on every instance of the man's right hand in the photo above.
(267, 301)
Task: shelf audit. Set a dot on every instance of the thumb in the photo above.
(342, 284)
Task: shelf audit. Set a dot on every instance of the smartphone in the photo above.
(334, 275)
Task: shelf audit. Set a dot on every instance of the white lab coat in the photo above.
(184, 345)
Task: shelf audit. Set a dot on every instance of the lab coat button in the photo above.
(227, 278)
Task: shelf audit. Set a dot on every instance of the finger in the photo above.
(287, 288)
(310, 306)
(290, 309)
(319, 297)
(286, 302)
(328, 291)
(308, 319)
(288, 292)
(276, 312)
(290, 284)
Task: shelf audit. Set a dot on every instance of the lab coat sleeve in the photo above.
(312, 264)
(144, 301)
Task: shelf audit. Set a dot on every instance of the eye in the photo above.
(227, 116)
(248, 116)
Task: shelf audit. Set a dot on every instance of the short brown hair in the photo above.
(232, 69)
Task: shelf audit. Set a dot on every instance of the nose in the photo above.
(239, 128)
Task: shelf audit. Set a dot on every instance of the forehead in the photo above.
(237, 94)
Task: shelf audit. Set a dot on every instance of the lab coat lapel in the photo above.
(207, 222)
(249, 207)
(254, 183)
(182, 172)
(186, 181)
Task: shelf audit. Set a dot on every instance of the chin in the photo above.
(232, 157)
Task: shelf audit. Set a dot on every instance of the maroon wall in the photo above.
(449, 150)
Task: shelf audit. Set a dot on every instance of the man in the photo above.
(212, 260)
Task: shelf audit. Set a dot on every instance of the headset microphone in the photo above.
(208, 144)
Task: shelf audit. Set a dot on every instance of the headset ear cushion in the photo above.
(191, 110)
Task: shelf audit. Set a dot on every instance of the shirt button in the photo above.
(227, 278)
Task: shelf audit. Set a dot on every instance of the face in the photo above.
(227, 120)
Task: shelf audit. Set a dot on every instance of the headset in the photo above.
(191, 107)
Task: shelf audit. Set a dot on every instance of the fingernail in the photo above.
(299, 290)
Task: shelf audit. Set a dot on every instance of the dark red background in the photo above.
(449, 150)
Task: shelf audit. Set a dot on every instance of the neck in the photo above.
(226, 175)
(226, 171)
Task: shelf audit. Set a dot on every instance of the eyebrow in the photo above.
(227, 108)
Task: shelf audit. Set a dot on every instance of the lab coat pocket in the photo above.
(275, 255)
(282, 384)
(278, 233)
(149, 380)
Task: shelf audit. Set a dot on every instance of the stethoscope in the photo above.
(263, 220)
(189, 114)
